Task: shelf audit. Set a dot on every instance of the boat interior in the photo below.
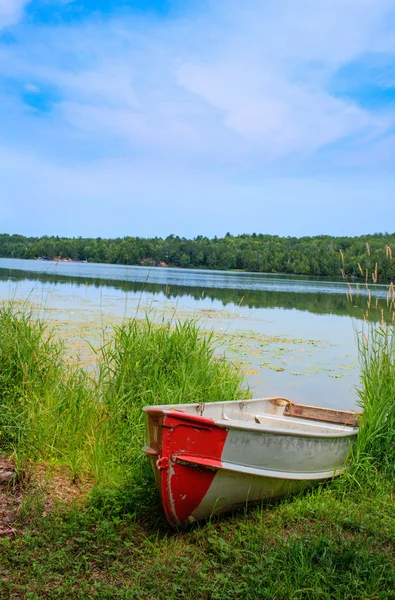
(272, 413)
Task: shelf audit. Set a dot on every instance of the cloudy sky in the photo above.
(197, 117)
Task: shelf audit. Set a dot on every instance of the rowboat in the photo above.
(211, 458)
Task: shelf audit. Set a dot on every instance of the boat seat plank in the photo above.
(316, 413)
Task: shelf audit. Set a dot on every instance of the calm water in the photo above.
(294, 336)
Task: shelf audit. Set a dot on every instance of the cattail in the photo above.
(368, 249)
(342, 257)
(388, 252)
(369, 298)
(375, 274)
(350, 289)
(360, 269)
(357, 290)
(342, 271)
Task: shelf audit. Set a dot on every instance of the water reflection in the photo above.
(291, 293)
(299, 341)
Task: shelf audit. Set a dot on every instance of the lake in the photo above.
(292, 336)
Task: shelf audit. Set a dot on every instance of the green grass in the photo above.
(49, 411)
(58, 414)
(147, 364)
(29, 366)
(320, 545)
(375, 448)
(334, 542)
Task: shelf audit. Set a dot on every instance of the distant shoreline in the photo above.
(367, 258)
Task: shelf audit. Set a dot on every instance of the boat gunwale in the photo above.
(342, 432)
(260, 428)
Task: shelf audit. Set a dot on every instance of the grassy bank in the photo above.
(324, 545)
(109, 539)
(56, 413)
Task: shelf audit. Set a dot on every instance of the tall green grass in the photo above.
(48, 410)
(145, 364)
(375, 447)
(29, 366)
(57, 413)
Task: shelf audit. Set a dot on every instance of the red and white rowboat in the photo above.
(211, 458)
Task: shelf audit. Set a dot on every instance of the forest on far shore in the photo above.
(321, 255)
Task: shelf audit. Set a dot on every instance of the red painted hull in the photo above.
(184, 438)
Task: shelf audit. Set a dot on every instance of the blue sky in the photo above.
(197, 117)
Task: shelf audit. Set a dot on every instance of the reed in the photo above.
(29, 365)
(49, 410)
(147, 364)
(56, 413)
(375, 446)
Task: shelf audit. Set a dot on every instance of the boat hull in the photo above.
(205, 467)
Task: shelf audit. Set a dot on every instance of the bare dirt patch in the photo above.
(9, 497)
(37, 490)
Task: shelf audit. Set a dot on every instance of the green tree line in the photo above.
(319, 255)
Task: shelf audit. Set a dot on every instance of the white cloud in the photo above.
(332, 31)
(276, 117)
(270, 79)
(29, 87)
(11, 11)
(247, 82)
(243, 87)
